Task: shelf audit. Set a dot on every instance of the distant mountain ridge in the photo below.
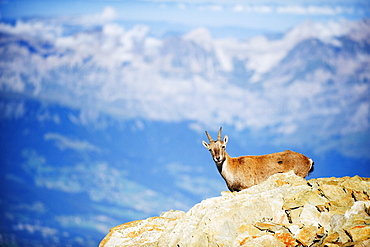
(115, 67)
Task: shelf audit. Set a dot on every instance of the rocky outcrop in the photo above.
(285, 210)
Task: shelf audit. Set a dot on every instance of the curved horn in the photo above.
(219, 134)
(209, 137)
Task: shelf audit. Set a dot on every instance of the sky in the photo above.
(266, 15)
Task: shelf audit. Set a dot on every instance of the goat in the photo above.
(245, 171)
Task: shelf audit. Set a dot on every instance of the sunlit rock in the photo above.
(285, 210)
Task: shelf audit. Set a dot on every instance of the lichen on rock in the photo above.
(285, 210)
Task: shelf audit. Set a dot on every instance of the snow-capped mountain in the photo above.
(256, 83)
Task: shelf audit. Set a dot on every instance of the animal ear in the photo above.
(205, 144)
(226, 139)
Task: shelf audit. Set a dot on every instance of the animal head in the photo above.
(217, 148)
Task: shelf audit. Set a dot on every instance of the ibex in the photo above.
(245, 171)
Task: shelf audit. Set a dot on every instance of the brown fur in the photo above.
(245, 171)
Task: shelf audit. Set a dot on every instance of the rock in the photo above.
(307, 235)
(266, 240)
(285, 210)
(359, 233)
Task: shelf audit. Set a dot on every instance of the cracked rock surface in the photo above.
(285, 210)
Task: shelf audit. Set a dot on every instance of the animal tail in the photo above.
(311, 168)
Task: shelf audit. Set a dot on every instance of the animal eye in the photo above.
(223, 147)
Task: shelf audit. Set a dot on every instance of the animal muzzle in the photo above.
(218, 159)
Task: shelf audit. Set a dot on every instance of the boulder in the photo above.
(285, 210)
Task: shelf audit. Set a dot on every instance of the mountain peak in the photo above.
(285, 210)
(201, 36)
